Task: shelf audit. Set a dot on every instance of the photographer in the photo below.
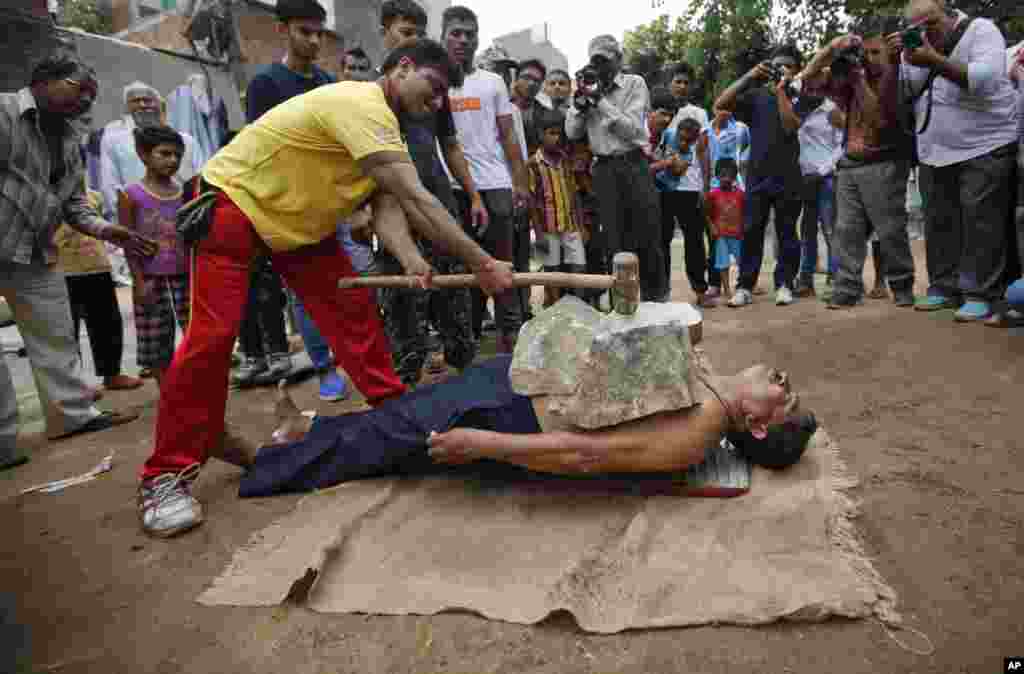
(955, 66)
(610, 107)
(773, 177)
(871, 186)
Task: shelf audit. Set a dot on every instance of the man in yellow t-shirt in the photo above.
(284, 183)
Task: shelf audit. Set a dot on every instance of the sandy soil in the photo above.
(921, 407)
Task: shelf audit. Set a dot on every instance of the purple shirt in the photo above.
(155, 219)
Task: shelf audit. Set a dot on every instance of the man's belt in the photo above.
(631, 155)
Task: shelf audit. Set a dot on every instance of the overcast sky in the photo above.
(571, 23)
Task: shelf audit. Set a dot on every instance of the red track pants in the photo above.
(194, 391)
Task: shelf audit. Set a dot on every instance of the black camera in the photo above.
(913, 37)
(589, 88)
(775, 75)
(847, 60)
(588, 80)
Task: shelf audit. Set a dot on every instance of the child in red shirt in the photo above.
(724, 210)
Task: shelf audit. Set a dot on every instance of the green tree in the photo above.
(669, 43)
(722, 39)
(85, 15)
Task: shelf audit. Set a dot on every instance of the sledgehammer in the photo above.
(624, 281)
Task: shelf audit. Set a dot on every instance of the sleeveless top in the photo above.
(155, 219)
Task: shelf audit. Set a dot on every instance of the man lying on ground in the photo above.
(477, 415)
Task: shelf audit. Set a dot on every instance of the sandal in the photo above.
(106, 419)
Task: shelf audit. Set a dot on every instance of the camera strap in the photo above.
(952, 40)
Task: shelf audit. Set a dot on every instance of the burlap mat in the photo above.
(517, 552)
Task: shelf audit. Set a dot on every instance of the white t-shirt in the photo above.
(820, 142)
(971, 122)
(690, 111)
(476, 106)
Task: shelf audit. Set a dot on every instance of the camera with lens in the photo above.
(913, 37)
(776, 74)
(588, 80)
(847, 60)
(589, 88)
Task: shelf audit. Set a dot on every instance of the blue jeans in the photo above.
(316, 347)
(819, 207)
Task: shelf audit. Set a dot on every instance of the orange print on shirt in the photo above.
(465, 104)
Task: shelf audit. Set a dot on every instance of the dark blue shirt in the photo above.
(421, 137)
(774, 152)
(277, 83)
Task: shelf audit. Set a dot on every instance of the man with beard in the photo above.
(42, 178)
(967, 153)
(269, 198)
(871, 185)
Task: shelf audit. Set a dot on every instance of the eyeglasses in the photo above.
(83, 86)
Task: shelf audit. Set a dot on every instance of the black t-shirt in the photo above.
(421, 138)
(277, 83)
(774, 152)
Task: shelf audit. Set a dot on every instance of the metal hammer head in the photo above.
(626, 287)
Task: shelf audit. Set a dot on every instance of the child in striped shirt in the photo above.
(556, 206)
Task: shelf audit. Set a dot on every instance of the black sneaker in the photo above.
(903, 298)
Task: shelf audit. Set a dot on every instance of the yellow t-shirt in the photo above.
(294, 172)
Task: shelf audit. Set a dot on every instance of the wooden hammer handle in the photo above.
(552, 279)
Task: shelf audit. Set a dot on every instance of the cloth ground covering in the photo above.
(519, 550)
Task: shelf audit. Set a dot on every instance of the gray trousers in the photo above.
(871, 197)
(38, 297)
(967, 208)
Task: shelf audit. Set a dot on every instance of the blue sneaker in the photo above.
(973, 311)
(333, 387)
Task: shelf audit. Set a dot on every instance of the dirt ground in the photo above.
(923, 411)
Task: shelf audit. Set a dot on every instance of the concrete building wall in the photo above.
(26, 34)
(119, 63)
(522, 45)
(355, 23)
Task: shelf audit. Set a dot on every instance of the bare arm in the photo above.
(727, 99)
(456, 160)
(661, 443)
(513, 154)
(395, 174)
(704, 156)
(392, 228)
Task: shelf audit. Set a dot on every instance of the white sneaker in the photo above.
(741, 297)
(783, 296)
(166, 506)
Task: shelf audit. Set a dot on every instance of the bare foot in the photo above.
(878, 293)
(235, 449)
(292, 426)
(285, 408)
